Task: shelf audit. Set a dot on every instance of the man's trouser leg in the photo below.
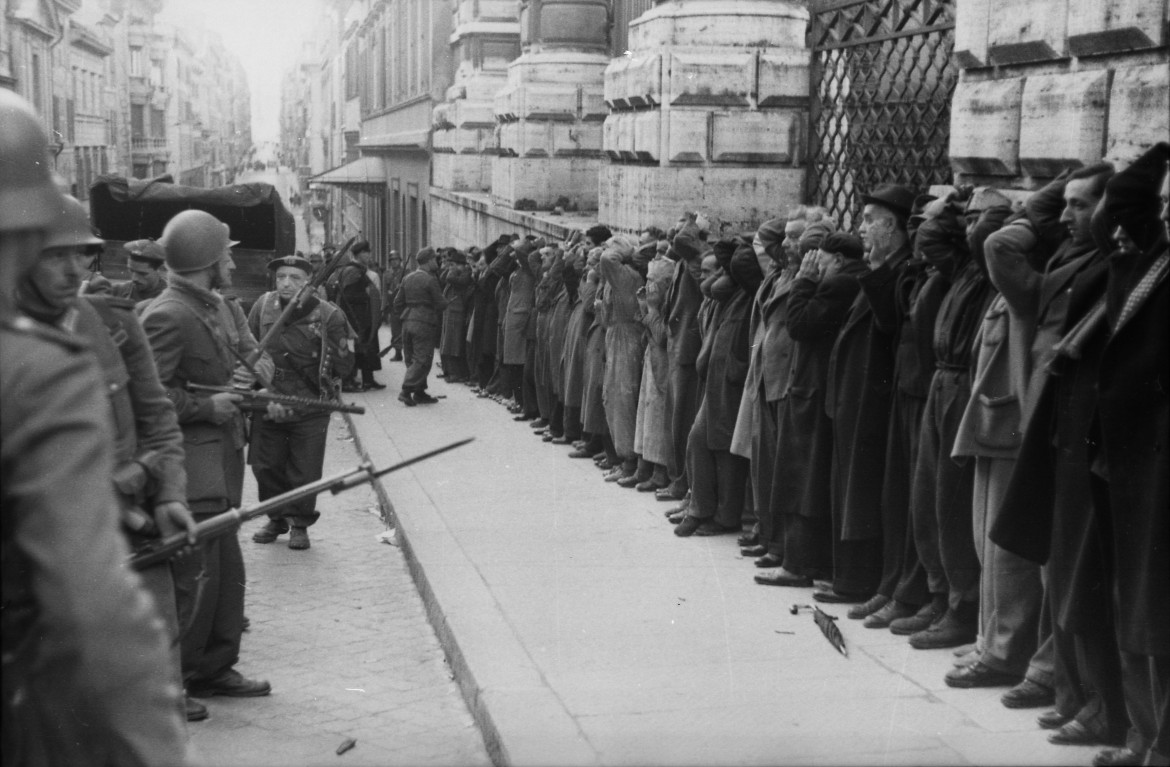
(903, 577)
(422, 343)
(681, 407)
(211, 644)
(923, 516)
(954, 490)
(1010, 587)
(285, 456)
(407, 348)
(731, 487)
(701, 471)
(528, 379)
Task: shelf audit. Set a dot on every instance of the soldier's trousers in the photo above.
(159, 582)
(418, 348)
(213, 613)
(285, 456)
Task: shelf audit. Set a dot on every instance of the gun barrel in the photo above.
(258, 400)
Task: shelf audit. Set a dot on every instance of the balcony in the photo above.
(145, 149)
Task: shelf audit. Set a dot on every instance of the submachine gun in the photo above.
(229, 521)
(257, 400)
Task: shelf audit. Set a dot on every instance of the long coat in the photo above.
(592, 406)
(726, 369)
(625, 341)
(521, 304)
(457, 285)
(652, 437)
(680, 308)
(481, 330)
(576, 338)
(802, 477)
(769, 298)
(860, 384)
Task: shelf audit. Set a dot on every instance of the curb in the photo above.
(468, 686)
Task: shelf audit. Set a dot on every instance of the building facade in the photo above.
(546, 115)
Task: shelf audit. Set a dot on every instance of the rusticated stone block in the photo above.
(783, 78)
(644, 80)
(619, 136)
(509, 137)
(471, 114)
(972, 19)
(687, 131)
(506, 104)
(593, 107)
(1096, 27)
(609, 135)
(1027, 30)
(985, 127)
(764, 137)
(535, 139)
(615, 87)
(1063, 121)
(575, 140)
(647, 135)
(463, 172)
(548, 102)
(721, 23)
(636, 196)
(724, 79)
(1139, 111)
(544, 180)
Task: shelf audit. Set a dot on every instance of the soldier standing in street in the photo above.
(359, 297)
(311, 349)
(420, 303)
(195, 335)
(85, 674)
(148, 448)
(393, 280)
(148, 278)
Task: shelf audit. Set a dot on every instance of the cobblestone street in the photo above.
(340, 632)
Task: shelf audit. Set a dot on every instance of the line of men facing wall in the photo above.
(955, 423)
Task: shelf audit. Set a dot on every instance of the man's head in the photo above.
(52, 283)
(290, 273)
(317, 261)
(145, 259)
(598, 235)
(883, 220)
(1082, 193)
(197, 243)
(427, 260)
(362, 253)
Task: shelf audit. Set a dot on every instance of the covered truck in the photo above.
(132, 209)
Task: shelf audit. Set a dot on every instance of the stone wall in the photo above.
(1048, 84)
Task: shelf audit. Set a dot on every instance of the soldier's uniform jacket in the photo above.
(148, 447)
(92, 687)
(191, 332)
(315, 344)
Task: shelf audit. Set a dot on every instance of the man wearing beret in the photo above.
(859, 396)
(148, 278)
(360, 298)
(420, 302)
(312, 348)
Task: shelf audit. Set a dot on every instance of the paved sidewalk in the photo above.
(583, 632)
(341, 634)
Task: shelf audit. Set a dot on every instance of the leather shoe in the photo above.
(579, 453)
(547, 438)
(628, 481)
(978, 675)
(271, 531)
(298, 539)
(523, 417)
(666, 494)
(920, 621)
(676, 517)
(868, 607)
(1117, 757)
(749, 539)
(1073, 733)
(646, 487)
(614, 474)
(406, 399)
(1052, 720)
(561, 440)
(782, 577)
(830, 596)
(687, 526)
(196, 711)
(230, 683)
(539, 423)
(708, 529)
(890, 612)
(422, 398)
(757, 550)
(373, 386)
(1029, 694)
(769, 560)
(951, 631)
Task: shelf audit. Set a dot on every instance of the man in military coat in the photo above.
(311, 350)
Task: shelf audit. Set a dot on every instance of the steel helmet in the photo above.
(194, 240)
(28, 197)
(71, 229)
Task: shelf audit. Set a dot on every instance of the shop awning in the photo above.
(364, 171)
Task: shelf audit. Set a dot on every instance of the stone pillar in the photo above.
(485, 40)
(709, 112)
(1051, 84)
(549, 115)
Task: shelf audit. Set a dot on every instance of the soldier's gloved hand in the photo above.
(172, 517)
(223, 406)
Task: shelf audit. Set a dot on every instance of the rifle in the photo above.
(229, 521)
(308, 289)
(258, 400)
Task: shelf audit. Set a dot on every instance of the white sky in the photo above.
(264, 34)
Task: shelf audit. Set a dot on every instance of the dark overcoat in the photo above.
(726, 369)
(457, 286)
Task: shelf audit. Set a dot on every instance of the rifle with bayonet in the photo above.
(298, 300)
(229, 521)
(258, 400)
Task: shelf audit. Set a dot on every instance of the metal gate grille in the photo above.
(882, 79)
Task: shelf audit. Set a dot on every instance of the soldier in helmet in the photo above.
(196, 336)
(85, 672)
(148, 447)
(148, 276)
(312, 348)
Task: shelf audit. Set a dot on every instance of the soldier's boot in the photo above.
(298, 538)
(271, 531)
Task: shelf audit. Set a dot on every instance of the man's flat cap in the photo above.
(146, 250)
(897, 198)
